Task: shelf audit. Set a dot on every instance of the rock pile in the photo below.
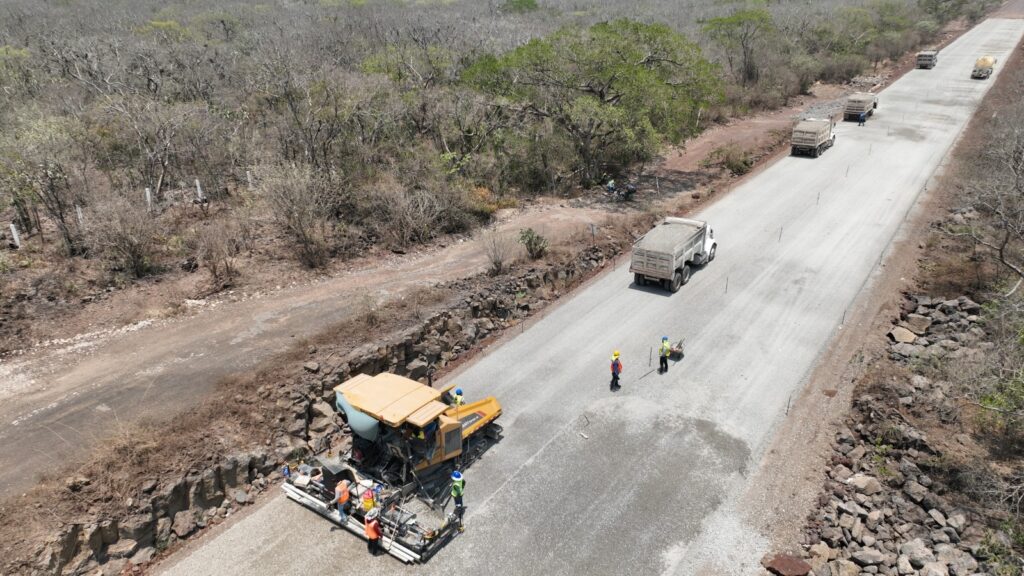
(156, 517)
(938, 328)
(881, 512)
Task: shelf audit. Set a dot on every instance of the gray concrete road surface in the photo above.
(649, 485)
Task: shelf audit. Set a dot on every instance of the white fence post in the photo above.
(15, 236)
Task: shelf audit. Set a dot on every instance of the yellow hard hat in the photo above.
(615, 354)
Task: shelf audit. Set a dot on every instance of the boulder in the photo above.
(113, 567)
(143, 556)
(917, 324)
(820, 554)
(908, 350)
(868, 557)
(917, 552)
(123, 548)
(184, 524)
(311, 367)
(418, 367)
(140, 527)
(957, 521)
(915, 490)
(903, 566)
(865, 484)
(938, 517)
(786, 565)
(934, 569)
(843, 568)
(322, 409)
(901, 335)
(240, 497)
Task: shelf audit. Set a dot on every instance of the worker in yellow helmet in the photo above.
(616, 370)
(663, 353)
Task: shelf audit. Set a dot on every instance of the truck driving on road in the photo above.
(860, 103)
(927, 58)
(668, 253)
(983, 67)
(812, 136)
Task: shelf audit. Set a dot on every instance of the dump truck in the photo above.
(927, 58)
(983, 67)
(407, 437)
(858, 103)
(812, 136)
(669, 252)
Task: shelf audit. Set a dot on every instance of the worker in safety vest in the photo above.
(457, 399)
(341, 496)
(663, 353)
(373, 531)
(616, 370)
(458, 490)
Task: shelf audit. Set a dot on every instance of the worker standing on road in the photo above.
(341, 495)
(458, 490)
(373, 533)
(862, 118)
(663, 354)
(616, 370)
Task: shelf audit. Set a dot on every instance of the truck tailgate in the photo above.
(651, 263)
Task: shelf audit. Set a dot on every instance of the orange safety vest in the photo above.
(372, 529)
(341, 492)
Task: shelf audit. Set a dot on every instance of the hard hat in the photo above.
(456, 475)
(664, 337)
(372, 514)
(458, 391)
(615, 354)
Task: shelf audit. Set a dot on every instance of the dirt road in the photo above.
(652, 485)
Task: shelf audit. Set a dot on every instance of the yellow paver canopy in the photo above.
(392, 399)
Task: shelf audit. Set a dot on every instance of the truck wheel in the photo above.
(794, 151)
(684, 275)
(639, 279)
(677, 282)
(832, 142)
(816, 152)
(711, 253)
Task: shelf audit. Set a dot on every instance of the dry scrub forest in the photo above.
(142, 141)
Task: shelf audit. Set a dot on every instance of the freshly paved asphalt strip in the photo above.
(648, 487)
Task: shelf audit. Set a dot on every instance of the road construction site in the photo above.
(647, 479)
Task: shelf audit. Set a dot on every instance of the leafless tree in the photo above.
(217, 246)
(994, 186)
(302, 204)
(122, 231)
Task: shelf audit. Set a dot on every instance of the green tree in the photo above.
(615, 89)
(739, 35)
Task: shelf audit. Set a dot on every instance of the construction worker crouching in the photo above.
(458, 490)
(663, 353)
(373, 532)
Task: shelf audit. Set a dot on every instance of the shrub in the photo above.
(536, 245)
(122, 231)
(498, 248)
